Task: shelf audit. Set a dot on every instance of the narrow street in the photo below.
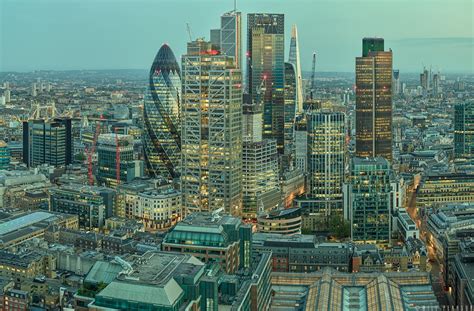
(436, 273)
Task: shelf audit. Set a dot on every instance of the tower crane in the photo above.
(312, 76)
(188, 28)
(117, 158)
(92, 150)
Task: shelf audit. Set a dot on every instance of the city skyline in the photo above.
(126, 36)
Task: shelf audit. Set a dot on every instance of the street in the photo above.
(436, 273)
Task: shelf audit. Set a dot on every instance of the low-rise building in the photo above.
(92, 204)
(302, 253)
(285, 221)
(331, 290)
(212, 238)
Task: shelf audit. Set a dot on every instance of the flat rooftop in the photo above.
(24, 221)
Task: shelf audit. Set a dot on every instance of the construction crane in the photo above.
(188, 28)
(312, 76)
(117, 158)
(92, 150)
(261, 87)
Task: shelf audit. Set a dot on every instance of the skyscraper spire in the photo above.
(294, 58)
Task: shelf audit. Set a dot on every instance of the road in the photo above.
(436, 273)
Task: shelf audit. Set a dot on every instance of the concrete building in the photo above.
(158, 209)
(302, 253)
(463, 275)
(15, 187)
(212, 238)
(92, 204)
(18, 229)
(27, 266)
(285, 221)
(326, 168)
(444, 188)
(211, 175)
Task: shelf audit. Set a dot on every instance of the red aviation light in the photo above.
(210, 52)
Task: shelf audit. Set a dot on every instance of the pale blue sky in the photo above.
(119, 34)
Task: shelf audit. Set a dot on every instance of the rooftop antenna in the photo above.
(235, 5)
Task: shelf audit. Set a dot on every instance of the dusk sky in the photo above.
(118, 34)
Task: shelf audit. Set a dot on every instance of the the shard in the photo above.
(161, 116)
(294, 58)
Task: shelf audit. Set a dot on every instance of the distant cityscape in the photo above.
(231, 178)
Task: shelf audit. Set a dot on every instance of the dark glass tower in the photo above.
(161, 114)
(464, 130)
(266, 71)
(374, 100)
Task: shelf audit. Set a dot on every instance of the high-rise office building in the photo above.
(374, 100)
(464, 130)
(34, 90)
(107, 151)
(7, 94)
(367, 200)
(260, 188)
(211, 130)
(4, 156)
(326, 160)
(228, 38)
(231, 36)
(294, 58)
(161, 116)
(301, 144)
(47, 142)
(326, 156)
(396, 87)
(425, 80)
(266, 71)
(290, 109)
(436, 84)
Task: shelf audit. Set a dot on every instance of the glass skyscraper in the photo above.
(266, 71)
(368, 200)
(290, 109)
(294, 58)
(374, 100)
(161, 116)
(211, 130)
(47, 142)
(464, 130)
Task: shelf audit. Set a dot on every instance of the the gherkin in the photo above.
(161, 115)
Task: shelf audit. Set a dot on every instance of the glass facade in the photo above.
(290, 109)
(161, 116)
(266, 71)
(374, 100)
(47, 142)
(294, 58)
(231, 36)
(107, 159)
(4, 155)
(370, 200)
(211, 131)
(464, 130)
(326, 162)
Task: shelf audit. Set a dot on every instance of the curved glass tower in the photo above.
(161, 115)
